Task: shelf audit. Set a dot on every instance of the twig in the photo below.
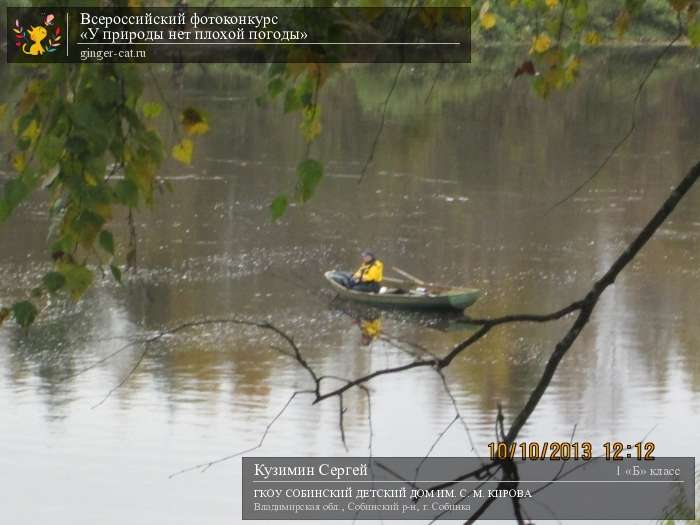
(203, 467)
(433, 83)
(435, 443)
(380, 128)
(457, 412)
(627, 135)
(341, 412)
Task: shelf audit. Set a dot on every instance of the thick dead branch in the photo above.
(594, 294)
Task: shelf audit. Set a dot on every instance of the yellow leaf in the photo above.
(571, 69)
(486, 17)
(182, 152)
(592, 38)
(552, 3)
(90, 180)
(541, 43)
(200, 128)
(31, 132)
(193, 122)
(311, 122)
(19, 162)
(488, 20)
(3, 109)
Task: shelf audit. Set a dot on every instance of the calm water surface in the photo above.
(456, 194)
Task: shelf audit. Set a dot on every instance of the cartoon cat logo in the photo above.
(36, 35)
(31, 41)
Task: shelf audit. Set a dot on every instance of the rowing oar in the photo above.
(393, 280)
(408, 275)
(416, 279)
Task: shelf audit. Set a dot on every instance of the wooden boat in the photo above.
(410, 296)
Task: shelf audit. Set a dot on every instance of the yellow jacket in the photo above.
(370, 273)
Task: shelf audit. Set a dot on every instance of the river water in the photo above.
(464, 169)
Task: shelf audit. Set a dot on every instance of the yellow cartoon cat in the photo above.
(36, 35)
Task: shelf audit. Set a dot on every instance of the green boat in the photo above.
(410, 297)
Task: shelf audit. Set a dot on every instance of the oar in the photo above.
(416, 279)
(408, 275)
(393, 280)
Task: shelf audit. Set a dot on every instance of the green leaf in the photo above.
(152, 109)
(85, 116)
(276, 68)
(540, 86)
(142, 172)
(634, 6)
(694, 33)
(106, 92)
(78, 278)
(24, 313)
(54, 281)
(116, 273)
(127, 193)
(275, 87)
(306, 92)
(309, 172)
(580, 14)
(279, 206)
(16, 190)
(292, 101)
(261, 101)
(107, 241)
(86, 226)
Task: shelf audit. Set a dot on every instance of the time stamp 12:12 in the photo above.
(564, 450)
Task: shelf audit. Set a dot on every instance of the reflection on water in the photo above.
(455, 195)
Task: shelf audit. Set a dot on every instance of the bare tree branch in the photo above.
(592, 297)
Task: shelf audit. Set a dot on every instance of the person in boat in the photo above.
(368, 277)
